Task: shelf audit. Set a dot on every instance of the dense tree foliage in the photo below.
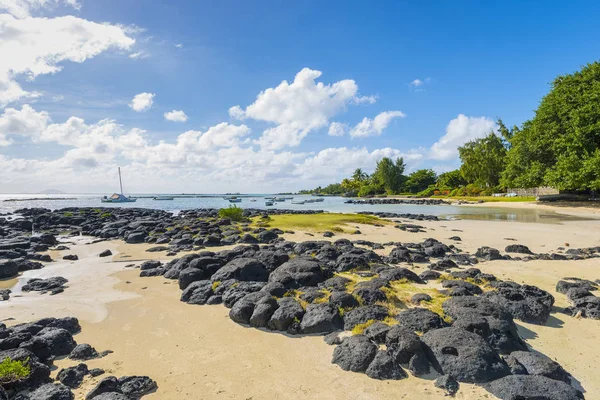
(559, 147)
(483, 160)
(420, 180)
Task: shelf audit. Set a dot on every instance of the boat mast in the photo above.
(120, 181)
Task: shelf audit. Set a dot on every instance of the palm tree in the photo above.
(359, 175)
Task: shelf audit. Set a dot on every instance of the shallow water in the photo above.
(331, 204)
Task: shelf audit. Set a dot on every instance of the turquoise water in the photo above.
(331, 204)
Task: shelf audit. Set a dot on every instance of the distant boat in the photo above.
(116, 197)
(164, 198)
(253, 200)
(298, 201)
(319, 200)
(269, 198)
(235, 200)
(268, 203)
(279, 199)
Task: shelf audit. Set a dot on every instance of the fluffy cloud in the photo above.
(299, 107)
(337, 163)
(23, 8)
(32, 46)
(459, 131)
(374, 127)
(337, 129)
(142, 101)
(416, 83)
(22, 122)
(176, 116)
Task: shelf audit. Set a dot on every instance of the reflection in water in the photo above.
(513, 215)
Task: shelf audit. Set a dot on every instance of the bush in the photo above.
(369, 190)
(11, 371)
(234, 213)
(106, 215)
(430, 191)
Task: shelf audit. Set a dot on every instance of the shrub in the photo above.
(68, 214)
(106, 215)
(11, 371)
(234, 213)
(369, 190)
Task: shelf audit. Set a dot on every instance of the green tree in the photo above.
(359, 175)
(483, 160)
(451, 180)
(559, 146)
(420, 180)
(389, 174)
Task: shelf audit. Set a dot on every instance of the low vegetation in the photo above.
(12, 370)
(318, 222)
(233, 212)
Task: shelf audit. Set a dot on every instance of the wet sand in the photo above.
(197, 352)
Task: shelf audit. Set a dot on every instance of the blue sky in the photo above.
(449, 68)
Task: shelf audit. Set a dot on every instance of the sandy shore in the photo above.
(197, 352)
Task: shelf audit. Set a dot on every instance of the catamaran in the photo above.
(116, 197)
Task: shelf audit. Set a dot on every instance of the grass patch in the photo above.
(215, 285)
(354, 280)
(404, 291)
(11, 371)
(489, 199)
(296, 295)
(68, 214)
(334, 222)
(360, 328)
(106, 215)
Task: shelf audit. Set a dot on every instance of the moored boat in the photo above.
(163, 198)
(118, 197)
(269, 203)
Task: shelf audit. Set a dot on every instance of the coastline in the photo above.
(198, 352)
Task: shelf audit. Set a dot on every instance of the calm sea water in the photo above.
(331, 204)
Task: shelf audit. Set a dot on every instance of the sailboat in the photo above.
(116, 197)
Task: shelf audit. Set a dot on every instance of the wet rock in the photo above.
(71, 257)
(364, 314)
(242, 310)
(419, 364)
(112, 396)
(240, 289)
(420, 320)
(448, 384)
(520, 387)
(383, 367)
(59, 341)
(396, 274)
(94, 372)
(539, 364)
(8, 269)
(402, 343)
(464, 355)
(54, 285)
(5, 294)
(336, 283)
(355, 353)
(321, 318)
(105, 253)
(443, 265)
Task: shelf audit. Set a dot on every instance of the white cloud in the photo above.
(179, 45)
(23, 8)
(364, 99)
(459, 131)
(333, 164)
(139, 55)
(298, 108)
(374, 127)
(416, 83)
(32, 46)
(176, 116)
(337, 129)
(24, 122)
(142, 102)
